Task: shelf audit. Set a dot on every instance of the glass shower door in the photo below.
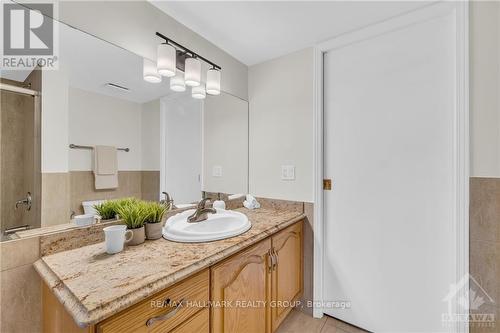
(19, 161)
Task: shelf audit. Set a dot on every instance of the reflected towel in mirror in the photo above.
(105, 167)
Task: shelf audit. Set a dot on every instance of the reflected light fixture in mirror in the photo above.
(213, 82)
(177, 82)
(149, 72)
(166, 60)
(192, 73)
(198, 92)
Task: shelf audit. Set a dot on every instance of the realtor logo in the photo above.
(26, 31)
(473, 311)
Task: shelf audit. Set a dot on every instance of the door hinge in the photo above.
(327, 184)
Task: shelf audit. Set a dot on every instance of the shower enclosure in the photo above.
(20, 171)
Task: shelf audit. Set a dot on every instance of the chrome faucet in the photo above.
(201, 213)
(25, 202)
(169, 201)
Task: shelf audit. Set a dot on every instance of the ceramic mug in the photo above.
(116, 236)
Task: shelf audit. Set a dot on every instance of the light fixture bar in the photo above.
(185, 49)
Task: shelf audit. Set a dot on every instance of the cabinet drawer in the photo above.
(162, 318)
(200, 323)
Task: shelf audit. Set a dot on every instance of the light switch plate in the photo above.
(287, 172)
(217, 171)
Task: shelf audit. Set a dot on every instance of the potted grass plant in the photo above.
(154, 223)
(134, 214)
(106, 210)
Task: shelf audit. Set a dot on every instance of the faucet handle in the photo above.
(202, 203)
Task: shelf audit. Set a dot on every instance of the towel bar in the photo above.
(73, 146)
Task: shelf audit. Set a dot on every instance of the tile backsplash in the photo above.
(484, 246)
(63, 193)
(82, 188)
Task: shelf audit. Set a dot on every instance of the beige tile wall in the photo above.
(55, 198)
(20, 286)
(82, 188)
(150, 185)
(63, 193)
(484, 253)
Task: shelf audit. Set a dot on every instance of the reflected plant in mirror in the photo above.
(106, 210)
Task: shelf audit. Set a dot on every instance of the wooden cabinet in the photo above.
(164, 311)
(241, 280)
(254, 290)
(286, 273)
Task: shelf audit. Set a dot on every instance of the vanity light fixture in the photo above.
(188, 62)
(192, 74)
(198, 92)
(213, 81)
(177, 82)
(149, 72)
(166, 60)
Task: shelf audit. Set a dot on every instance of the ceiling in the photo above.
(256, 31)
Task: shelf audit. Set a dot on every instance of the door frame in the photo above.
(461, 13)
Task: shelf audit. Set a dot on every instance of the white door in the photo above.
(390, 148)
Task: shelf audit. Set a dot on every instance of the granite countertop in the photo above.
(93, 285)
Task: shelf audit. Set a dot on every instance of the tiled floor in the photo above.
(299, 322)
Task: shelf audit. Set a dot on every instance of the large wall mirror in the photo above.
(167, 141)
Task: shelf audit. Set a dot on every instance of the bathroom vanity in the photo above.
(241, 284)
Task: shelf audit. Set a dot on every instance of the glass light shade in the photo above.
(192, 72)
(198, 92)
(213, 82)
(177, 82)
(166, 60)
(149, 72)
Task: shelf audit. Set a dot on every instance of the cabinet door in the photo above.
(241, 287)
(287, 272)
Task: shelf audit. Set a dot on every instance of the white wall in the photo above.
(96, 119)
(132, 25)
(54, 124)
(485, 88)
(281, 126)
(225, 144)
(282, 88)
(150, 139)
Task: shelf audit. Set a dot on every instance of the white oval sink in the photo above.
(224, 224)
